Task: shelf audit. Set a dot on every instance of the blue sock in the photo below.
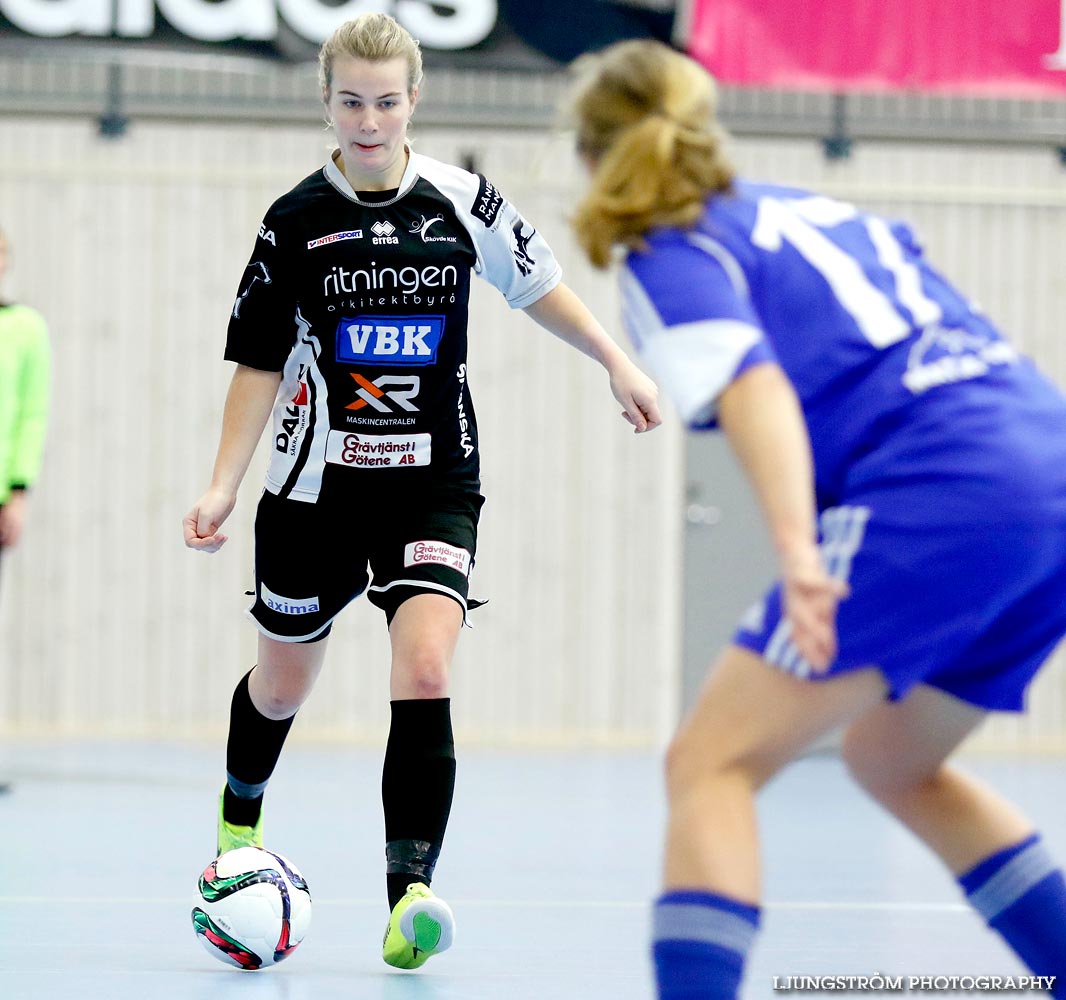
(700, 942)
(1021, 894)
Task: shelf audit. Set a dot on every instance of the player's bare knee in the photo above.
(424, 674)
(279, 696)
(282, 703)
(692, 760)
(878, 770)
(678, 767)
(425, 686)
(864, 764)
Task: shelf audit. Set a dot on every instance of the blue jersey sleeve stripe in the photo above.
(713, 281)
(729, 263)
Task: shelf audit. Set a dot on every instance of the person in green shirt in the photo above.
(25, 362)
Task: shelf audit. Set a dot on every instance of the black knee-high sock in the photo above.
(252, 753)
(417, 782)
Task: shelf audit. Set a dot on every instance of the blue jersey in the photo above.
(901, 378)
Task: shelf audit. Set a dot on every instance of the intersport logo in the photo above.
(322, 241)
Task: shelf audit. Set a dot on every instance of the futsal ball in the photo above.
(254, 908)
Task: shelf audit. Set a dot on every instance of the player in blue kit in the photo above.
(912, 471)
(350, 330)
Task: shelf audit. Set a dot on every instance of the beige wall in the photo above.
(133, 250)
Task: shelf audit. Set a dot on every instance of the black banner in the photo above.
(473, 33)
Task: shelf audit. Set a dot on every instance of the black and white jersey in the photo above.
(363, 308)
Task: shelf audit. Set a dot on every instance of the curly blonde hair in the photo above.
(645, 119)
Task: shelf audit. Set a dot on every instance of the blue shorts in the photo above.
(973, 610)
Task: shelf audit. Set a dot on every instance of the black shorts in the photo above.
(312, 559)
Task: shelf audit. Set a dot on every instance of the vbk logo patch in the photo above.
(389, 340)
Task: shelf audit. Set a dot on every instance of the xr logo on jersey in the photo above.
(400, 395)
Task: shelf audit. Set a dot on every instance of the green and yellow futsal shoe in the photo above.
(420, 927)
(231, 836)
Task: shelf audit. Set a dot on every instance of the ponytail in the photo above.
(645, 121)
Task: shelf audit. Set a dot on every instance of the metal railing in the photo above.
(122, 84)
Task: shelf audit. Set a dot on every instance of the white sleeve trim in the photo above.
(537, 293)
(693, 362)
(494, 245)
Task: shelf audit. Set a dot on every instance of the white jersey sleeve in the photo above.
(686, 308)
(511, 254)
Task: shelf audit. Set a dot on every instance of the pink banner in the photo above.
(988, 47)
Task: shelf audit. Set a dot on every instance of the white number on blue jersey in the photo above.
(809, 224)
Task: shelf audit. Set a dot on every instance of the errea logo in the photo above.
(383, 230)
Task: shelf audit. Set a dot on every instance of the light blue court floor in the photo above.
(549, 864)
